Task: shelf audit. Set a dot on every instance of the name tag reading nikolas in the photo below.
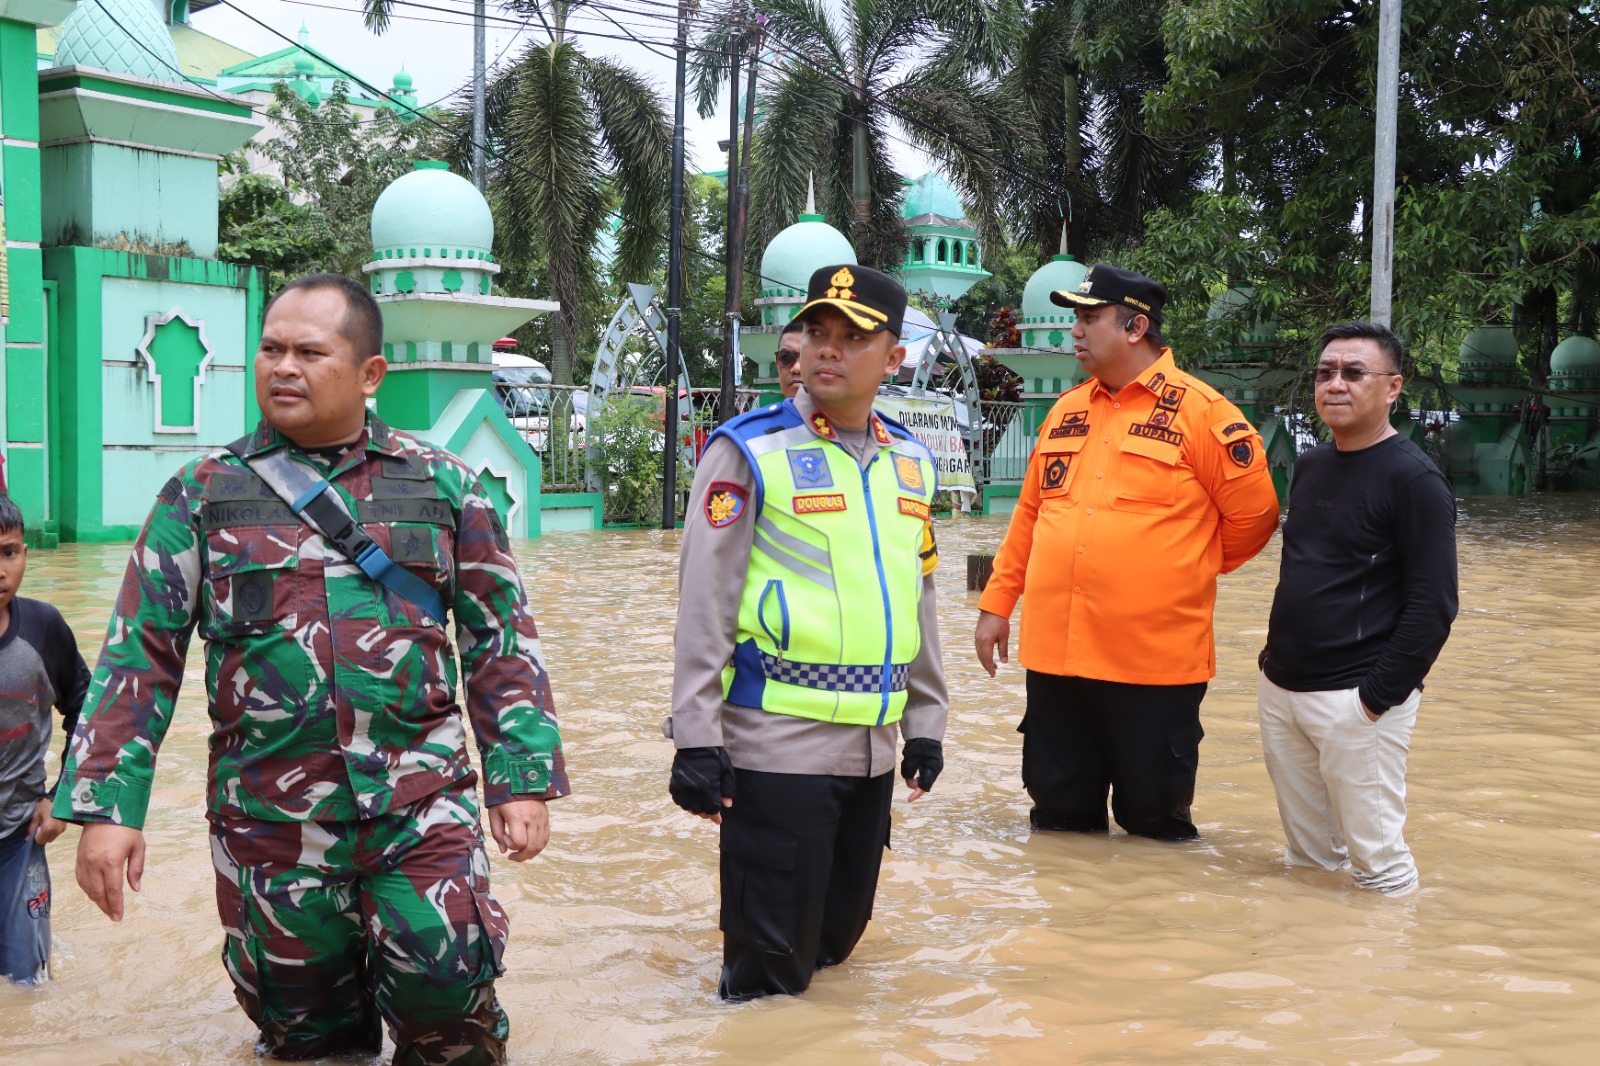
(828, 501)
(229, 513)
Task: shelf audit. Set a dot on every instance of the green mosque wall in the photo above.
(128, 435)
(23, 334)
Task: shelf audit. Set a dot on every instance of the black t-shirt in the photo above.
(40, 668)
(1367, 586)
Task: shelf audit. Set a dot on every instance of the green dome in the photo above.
(431, 212)
(122, 36)
(1062, 272)
(931, 195)
(1489, 346)
(1577, 355)
(402, 80)
(797, 252)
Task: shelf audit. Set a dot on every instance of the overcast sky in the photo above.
(435, 46)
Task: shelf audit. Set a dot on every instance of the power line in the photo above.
(446, 129)
(239, 101)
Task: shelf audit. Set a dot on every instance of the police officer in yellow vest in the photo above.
(807, 644)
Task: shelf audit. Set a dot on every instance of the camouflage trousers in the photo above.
(330, 925)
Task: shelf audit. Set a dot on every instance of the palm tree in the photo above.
(1076, 88)
(572, 138)
(838, 78)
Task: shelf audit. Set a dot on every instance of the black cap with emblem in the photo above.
(1113, 285)
(869, 298)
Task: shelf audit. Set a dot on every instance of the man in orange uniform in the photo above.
(1145, 485)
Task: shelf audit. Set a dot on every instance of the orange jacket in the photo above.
(1132, 505)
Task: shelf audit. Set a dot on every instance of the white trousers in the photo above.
(1341, 782)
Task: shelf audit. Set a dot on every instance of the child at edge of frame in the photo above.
(40, 668)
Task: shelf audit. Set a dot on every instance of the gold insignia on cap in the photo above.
(840, 284)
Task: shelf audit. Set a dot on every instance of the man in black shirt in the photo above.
(1366, 594)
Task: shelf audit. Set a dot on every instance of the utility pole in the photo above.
(479, 54)
(735, 267)
(741, 218)
(669, 476)
(1387, 104)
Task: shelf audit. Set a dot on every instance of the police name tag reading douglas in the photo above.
(816, 504)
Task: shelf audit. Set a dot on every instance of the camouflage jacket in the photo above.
(331, 698)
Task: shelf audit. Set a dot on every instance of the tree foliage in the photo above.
(334, 164)
(839, 82)
(1497, 175)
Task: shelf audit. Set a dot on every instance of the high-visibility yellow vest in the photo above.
(828, 621)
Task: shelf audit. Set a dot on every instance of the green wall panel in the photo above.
(132, 479)
(129, 395)
(75, 389)
(22, 192)
(414, 399)
(174, 212)
(25, 392)
(27, 307)
(19, 86)
(104, 297)
(25, 481)
(66, 170)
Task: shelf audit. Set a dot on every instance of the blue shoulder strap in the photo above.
(312, 498)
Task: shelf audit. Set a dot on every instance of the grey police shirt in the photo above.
(40, 668)
(711, 585)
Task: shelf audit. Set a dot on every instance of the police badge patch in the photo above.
(810, 468)
(1242, 452)
(908, 472)
(725, 502)
(1054, 474)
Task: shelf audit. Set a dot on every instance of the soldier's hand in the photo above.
(105, 851)
(924, 758)
(44, 827)
(521, 827)
(702, 782)
(993, 631)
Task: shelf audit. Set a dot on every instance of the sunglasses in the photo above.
(1324, 374)
(788, 358)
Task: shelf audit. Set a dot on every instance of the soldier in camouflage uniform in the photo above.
(352, 880)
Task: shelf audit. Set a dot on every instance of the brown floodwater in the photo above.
(990, 944)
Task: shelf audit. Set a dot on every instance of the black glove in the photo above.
(924, 758)
(701, 777)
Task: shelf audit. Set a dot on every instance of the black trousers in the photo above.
(1082, 738)
(800, 860)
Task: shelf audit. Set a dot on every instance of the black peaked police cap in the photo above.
(1113, 285)
(869, 298)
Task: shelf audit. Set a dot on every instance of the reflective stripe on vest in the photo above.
(828, 622)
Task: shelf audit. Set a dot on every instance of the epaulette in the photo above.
(1202, 386)
(755, 423)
